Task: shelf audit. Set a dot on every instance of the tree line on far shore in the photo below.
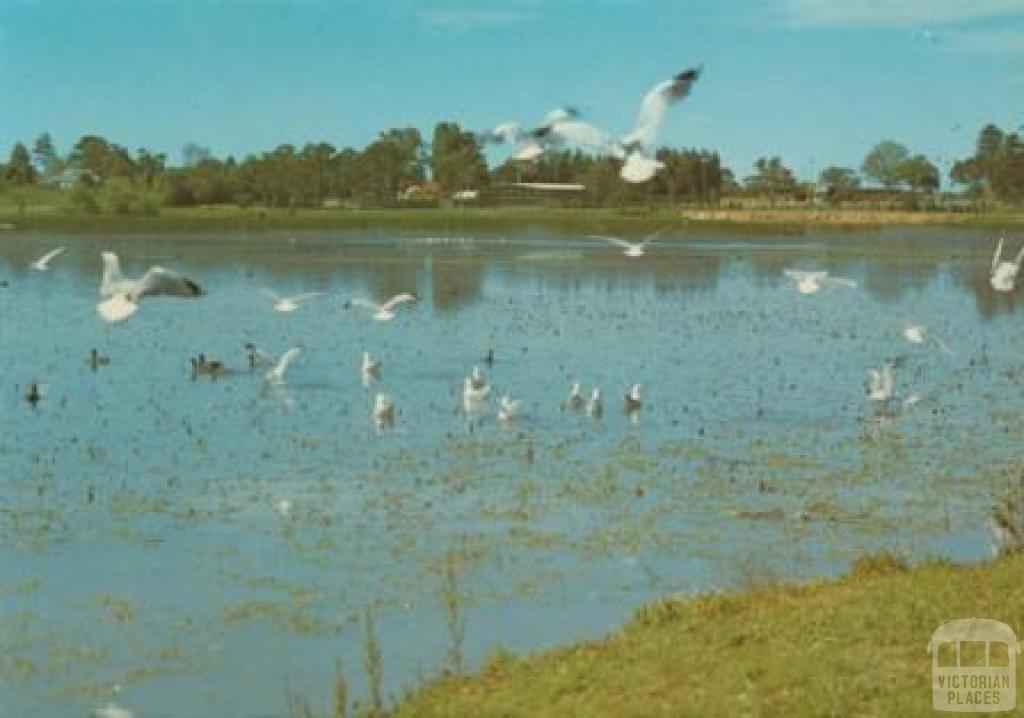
(400, 169)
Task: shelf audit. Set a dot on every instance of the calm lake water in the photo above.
(144, 556)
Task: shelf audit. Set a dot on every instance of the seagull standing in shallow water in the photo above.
(632, 401)
(881, 384)
(370, 366)
(508, 409)
(576, 400)
(386, 311)
(918, 334)
(383, 411)
(813, 282)
(473, 394)
(43, 263)
(478, 379)
(595, 407)
(1003, 274)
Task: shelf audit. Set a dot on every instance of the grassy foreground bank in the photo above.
(853, 646)
(635, 220)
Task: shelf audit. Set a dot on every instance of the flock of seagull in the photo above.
(119, 298)
(563, 127)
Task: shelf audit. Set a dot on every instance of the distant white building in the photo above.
(68, 178)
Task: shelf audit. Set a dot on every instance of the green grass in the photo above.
(51, 209)
(849, 647)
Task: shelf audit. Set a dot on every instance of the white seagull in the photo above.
(111, 710)
(813, 282)
(508, 409)
(1003, 275)
(477, 378)
(630, 249)
(919, 334)
(595, 407)
(575, 400)
(43, 263)
(562, 126)
(370, 366)
(881, 384)
(632, 401)
(472, 395)
(386, 311)
(275, 374)
(289, 304)
(383, 410)
(529, 144)
(122, 294)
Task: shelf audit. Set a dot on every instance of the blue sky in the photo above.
(815, 81)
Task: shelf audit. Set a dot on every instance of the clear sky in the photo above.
(816, 81)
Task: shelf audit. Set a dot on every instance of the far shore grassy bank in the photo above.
(852, 646)
(629, 221)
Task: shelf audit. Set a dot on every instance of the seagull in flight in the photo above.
(386, 311)
(122, 295)
(630, 249)
(275, 374)
(562, 126)
(111, 710)
(530, 144)
(289, 304)
(814, 282)
(1003, 274)
(43, 263)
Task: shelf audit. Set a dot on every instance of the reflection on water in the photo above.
(210, 542)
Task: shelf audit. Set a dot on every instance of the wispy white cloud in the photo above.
(894, 13)
(465, 18)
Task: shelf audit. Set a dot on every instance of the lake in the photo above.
(188, 546)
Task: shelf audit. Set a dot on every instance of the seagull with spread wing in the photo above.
(43, 263)
(529, 144)
(386, 311)
(121, 295)
(562, 126)
(813, 282)
(1003, 274)
(640, 164)
(289, 304)
(630, 249)
(275, 374)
